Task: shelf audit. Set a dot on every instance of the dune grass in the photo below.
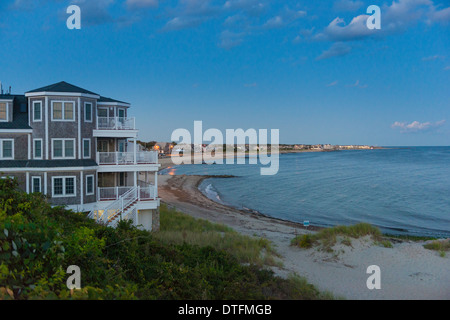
(327, 238)
(441, 246)
(179, 228)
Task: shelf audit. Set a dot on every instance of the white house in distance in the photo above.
(80, 150)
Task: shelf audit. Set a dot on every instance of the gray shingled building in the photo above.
(71, 144)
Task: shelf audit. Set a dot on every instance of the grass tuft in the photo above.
(440, 246)
(179, 228)
(327, 237)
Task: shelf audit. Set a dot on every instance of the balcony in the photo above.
(145, 193)
(127, 158)
(115, 127)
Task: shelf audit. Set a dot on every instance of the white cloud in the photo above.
(395, 18)
(230, 39)
(139, 4)
(332, 84)
(337, 30)
(440, 16)
(417, 126)
(336, 50)
(358, 85)
(431, 58)
(95, 12)
(347, 5)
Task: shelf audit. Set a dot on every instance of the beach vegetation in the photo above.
(178, 228)
(442, 246)
(384, 243)
(39, 242)
(326, 238)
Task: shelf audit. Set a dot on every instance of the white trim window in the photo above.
(88, 109)
(37, 111)
(3, 111)
(64, 186)
(63, 111)
(86, 148)
(36, 184)
(37, 149)
(89, 185)
(7, 149)
(63, 148)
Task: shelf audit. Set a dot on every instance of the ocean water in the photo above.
(404, 190)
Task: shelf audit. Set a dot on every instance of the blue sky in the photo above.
(309, 68)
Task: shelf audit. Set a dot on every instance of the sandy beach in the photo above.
(408, 270)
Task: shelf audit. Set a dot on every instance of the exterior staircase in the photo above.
(124, 208)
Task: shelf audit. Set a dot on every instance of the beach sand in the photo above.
(408, 271)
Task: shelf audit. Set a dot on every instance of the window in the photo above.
(37, 111)
(69, 146)
(63, 187)
(89, 185)
(103, 112)
(36, 184)
(86, 148)
(3, 111)
(37, 148)
(63, 148)
(7, 149)
(102, 146)
(63, 111)
(88, 112)
(121, 113)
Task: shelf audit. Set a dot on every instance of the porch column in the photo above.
(156, 184)
(135, 151)
(27, 184)
(135, 178)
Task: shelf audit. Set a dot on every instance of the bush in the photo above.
(38, 243)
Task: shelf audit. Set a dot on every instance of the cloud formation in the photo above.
(416, 126)
(140, 4)
(338, 49)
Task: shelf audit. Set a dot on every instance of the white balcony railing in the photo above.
(127, 158)
(116, 123)
(145, 193)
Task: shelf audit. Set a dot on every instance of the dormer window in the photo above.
(3, 111)
(63, 111)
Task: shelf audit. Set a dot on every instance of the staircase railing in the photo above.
(118, 207)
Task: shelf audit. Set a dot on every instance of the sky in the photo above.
(311, 69)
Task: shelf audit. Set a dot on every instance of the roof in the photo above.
(47, 163)
(20, 115)
(106, 100)
(63, 87)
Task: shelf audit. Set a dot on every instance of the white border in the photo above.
(93, 185)
(64, 149)
(32, 111)
(34, 149)
(90, 151)
(64, 195)
(7, 110)
(92, 112)
(32, 184)
(63, 111)
(1, 149)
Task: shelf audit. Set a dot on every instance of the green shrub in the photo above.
(38, 243)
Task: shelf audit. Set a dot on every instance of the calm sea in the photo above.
(401, 190)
